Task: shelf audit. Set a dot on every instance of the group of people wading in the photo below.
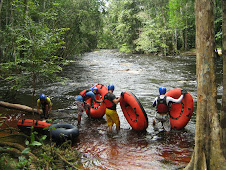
(161, 103)
(109, 99)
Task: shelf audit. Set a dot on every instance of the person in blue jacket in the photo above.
(162, 108)
(81, 101)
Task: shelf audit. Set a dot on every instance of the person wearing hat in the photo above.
(111, 114)
(162, 107)
(81, 101)
(45, 103)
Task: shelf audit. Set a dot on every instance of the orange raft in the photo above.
(39, 126)
(97, 110)
(180, 113)
(134, 111)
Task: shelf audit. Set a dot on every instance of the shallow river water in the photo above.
(140, 74)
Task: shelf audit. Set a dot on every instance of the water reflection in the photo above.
(140, 74)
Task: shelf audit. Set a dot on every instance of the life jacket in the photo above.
(83, 94)
(162, 106)
(43, 104)
(109, 104)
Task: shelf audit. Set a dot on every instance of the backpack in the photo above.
(162, 106)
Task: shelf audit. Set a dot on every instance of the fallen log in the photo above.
(18, 107)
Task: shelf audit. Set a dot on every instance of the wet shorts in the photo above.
(164, 119)
(81, 106)
(112, 117)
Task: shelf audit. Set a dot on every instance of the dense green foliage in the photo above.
(44, 156)
(39, 36)
(153, 26)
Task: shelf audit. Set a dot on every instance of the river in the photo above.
(140, 74)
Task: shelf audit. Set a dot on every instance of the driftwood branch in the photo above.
(18, 107)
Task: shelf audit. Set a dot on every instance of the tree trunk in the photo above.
(1, 2)
(175, 45)
(223, 108)
(208, 153)
(26, 7)
(186, 30)
(44, 8)
(164, 38)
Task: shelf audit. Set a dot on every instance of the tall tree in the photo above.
(154, 35)
(1, 1)
(218, 23)
(124, 23)
(34, 52)
(208, 153)
(223, 107)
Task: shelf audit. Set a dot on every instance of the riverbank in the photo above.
(192, 52)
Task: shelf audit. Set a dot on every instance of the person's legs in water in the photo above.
(116, 121)
(166, 124)
(47, 112)
(43, 114)
(112, 118)
(87, 106)
(164, 119)
(156, 120)
(109, 119)
(80, 108)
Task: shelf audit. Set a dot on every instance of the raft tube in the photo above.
(134, 111)
(180, 113)
(25, 124)
(97, 110)
(62, 132)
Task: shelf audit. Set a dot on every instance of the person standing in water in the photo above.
(111, 114)
(81, 101)
(162, 108)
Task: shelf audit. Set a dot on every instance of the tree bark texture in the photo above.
(208, 153)
(1, 1)
(223, 107)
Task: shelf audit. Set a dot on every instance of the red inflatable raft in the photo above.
(97, 110)
(24, 125)
(180, 113)
(134, 111)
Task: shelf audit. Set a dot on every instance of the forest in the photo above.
(39, 37)
(67, 27)
(35, 34)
